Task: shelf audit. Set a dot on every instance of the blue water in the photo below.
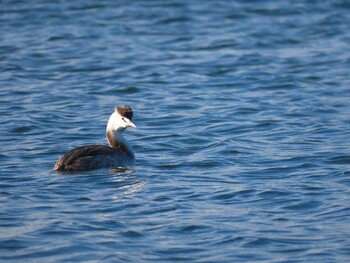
(243, 139)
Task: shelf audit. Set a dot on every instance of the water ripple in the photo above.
(242, 141)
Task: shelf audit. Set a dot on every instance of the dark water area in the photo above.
(243, 138)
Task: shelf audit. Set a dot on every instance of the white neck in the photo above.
(114, 133)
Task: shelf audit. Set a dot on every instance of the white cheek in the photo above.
(114, 123)
(117, 123)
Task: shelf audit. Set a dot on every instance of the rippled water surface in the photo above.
(243, 139)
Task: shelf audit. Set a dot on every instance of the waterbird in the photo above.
(90, 157)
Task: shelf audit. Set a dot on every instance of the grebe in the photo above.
(118, 153)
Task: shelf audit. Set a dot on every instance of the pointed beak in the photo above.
(131, 124)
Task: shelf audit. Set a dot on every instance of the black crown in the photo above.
(125, 111)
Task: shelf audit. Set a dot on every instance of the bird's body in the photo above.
(90, 157)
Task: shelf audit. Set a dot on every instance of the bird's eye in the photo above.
(123, 119)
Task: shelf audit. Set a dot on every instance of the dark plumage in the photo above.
(90, 157)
